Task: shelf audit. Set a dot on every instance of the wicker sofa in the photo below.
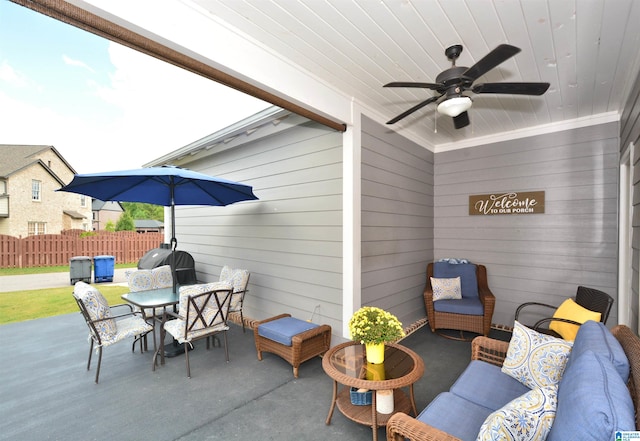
(582, 411)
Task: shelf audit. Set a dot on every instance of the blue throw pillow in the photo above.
(466, 272)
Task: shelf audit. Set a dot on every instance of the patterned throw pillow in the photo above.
(446, 288)
(97, 307)
(527, 418)
(535, 359)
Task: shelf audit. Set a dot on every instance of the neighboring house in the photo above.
(29, 202)
(148, 226)
(104, 212)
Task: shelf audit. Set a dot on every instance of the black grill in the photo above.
(185, 270)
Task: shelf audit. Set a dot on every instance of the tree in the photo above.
(139, 210)
(125, 223)
(109, 226)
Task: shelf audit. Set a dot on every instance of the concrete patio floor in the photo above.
(47, 393)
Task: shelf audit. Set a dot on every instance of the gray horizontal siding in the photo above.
(291, 238)
(397, 221)
(541, 257)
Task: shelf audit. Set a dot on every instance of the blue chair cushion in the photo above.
(455, 416)
(593, 401)
(283, 329)
(596, 337)
(465, 305)
(486, 385)
(466, 272)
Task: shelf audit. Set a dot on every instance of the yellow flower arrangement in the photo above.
(374, 325)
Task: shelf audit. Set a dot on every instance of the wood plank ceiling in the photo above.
(588, 50)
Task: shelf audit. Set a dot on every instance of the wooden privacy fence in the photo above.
(58, 249)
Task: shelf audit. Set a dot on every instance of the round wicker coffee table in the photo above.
(346, 364)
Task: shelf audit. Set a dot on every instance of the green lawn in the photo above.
(18, 306)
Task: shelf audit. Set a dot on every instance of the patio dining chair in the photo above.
(203, 313)
(106, 328)
(239, 279)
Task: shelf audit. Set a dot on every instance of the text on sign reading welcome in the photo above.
(531, 202)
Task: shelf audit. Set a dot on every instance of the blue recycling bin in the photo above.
(103, 268)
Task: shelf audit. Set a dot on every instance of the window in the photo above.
(83, 200)
(36, 190)
(37, 228)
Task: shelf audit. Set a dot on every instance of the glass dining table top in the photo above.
(152, 298)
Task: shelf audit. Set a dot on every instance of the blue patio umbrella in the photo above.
(168, 186)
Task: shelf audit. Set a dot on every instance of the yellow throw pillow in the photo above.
(570, 310)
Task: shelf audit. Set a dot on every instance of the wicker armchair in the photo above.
(447, 314)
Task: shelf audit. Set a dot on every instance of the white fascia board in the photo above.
(189, 29)
(560, 126)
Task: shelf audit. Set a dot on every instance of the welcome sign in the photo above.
(531, 202)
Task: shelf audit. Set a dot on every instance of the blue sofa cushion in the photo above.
(596, 337)
(465, 305)
(593, 401)
(486, 385)
(283, 329)
(455, 416)
(466, 272)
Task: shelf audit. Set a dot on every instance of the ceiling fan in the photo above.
(453, 82)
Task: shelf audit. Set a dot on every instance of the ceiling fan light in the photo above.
(454, 106)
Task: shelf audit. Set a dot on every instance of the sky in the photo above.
(101, 105)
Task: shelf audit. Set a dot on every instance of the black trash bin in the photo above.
(80, 269)
(103, 268)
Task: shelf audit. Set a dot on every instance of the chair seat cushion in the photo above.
(486, 385)
(466, 272)
(465, 305)
(129, 327)
(593, 401)
(283, 329)
(455, 416)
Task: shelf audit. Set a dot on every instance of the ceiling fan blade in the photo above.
(431, 86)
(461, 120)
(499, 55)
(413, 109)
(513, 88)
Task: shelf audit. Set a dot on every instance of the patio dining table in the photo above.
(156, 299)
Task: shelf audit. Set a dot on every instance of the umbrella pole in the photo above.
(174, 241)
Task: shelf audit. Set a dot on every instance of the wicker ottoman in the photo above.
(292, 339)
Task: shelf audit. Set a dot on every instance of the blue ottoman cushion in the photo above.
(282, 330)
